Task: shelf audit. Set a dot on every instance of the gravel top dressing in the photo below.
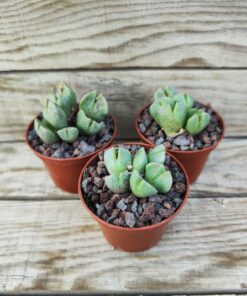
(184, 141)
(126, 209)
(82, 146)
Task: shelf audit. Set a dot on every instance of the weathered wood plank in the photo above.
(55, 245)
(95, 34)
(127, 91)
(22, 174)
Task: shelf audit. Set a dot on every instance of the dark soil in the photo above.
(126, 209)
(82, 146)
(185, 142)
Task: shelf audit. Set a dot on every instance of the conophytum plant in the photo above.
(174, 112)
(144, 173)
(57, 111)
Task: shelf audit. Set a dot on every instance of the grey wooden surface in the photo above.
(53, 34)
(125, 49)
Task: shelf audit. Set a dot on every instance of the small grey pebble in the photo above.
(140, 209)
(130, 219)
(181, 141)
(184, 148)
(105, 138)
(134, 206)
(142, 127)
(121, 205)
(56, 146)
(100, 210)
(67, 155)
(59, 153)
(155, 198)
(159, 141)
(85, 148)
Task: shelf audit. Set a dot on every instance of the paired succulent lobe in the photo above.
(197, 122)
(117, 160)
(185, 99)
(167, 91)
(92, 110)
(64, 97)
(94, 105)
(118, 183)
(139, 186)
(45, 132)
(158, 177)
(54, 115)
(140, 160)
(86, 125)
(157, 154)
(68, 134)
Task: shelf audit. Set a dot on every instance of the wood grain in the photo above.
(22, 174)
(55, 34)
(55, 245)
(21, 95)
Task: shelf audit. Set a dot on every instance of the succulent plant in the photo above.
(57, 112)
(145, 173)
(174, 113)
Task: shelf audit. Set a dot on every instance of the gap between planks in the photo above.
(121, 69)
(225, 292)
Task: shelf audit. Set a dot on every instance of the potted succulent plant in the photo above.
(133, 190)
(188, 129)
(66, 134)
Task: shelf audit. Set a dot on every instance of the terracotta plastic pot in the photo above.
(193, 161)
(132, 239)
(66, 171)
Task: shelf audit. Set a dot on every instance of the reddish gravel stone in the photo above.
(180, 187)
(149, 213)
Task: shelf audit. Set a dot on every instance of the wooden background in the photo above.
(125, 49)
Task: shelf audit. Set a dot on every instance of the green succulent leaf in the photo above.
(184, 98)
(139, 186)
(191, 111)
(64, 97)
(86, 125)
(117, 160)
(45, 132)
(197, 122)
(94, 105)
(165, 100)
(158, 177)
(68, 134)
(168, 91)
(54, 115)
(140, 160)
(118, 184)
(157, 154)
